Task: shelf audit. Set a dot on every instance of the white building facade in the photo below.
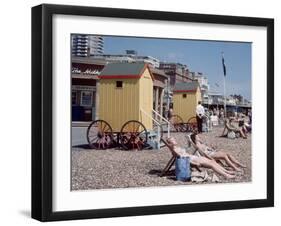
(86, 45)
(204, 85)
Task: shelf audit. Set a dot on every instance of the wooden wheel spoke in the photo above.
(108, 130)
(133, 127)
(139, 133)
(103, 142)
(140, 144)
(92, 132)
(104, 127)
(177, 123)
(100, 125)
(125, 135)
(130, 135)
(130, 140)
(137, 129)
(99, 134)
(127, 128)
(98, 144)
(130, 128)
(95, 139)
(138, 147)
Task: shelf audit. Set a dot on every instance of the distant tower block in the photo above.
(86, 45)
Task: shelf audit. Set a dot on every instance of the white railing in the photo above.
(162, 119)
(149, 116)
(157, 123)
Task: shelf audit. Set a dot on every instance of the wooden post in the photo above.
(156, 101)
(97, 100)
(154, 98)
(161, 103)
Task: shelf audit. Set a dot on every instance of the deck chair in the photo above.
(196, 149)
(172, 160)
(201, 153)
(191, 144)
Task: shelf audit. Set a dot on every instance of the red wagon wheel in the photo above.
(100, 135)
(133, 135)
(178, 123)
(192, 124)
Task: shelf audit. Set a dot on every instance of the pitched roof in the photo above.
(158, 72)
(186, 87)
(123, 70)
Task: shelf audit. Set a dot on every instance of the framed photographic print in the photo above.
(146, 112)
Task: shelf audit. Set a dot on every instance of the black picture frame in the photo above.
(42, 111)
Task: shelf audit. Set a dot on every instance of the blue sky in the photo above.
(199, 56)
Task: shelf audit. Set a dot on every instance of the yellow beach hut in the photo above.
(125, 90)
(185, 99)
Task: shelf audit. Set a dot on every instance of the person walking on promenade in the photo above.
(199, 116)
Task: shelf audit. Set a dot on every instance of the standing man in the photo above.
(200, 112)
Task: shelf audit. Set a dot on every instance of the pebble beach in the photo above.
(115, 168)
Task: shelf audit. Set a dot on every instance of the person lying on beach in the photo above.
(200, 160)
(212, 153)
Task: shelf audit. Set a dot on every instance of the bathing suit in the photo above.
(193, 158)
(209, 151)
(181, 152)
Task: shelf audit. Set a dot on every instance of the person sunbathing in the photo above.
(230, 122)
(212, 153)
(246, 127)
(200, 160)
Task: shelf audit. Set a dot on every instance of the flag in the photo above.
(223, 65)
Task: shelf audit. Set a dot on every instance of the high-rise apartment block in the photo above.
(86, 45)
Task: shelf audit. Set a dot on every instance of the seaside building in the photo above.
(215, 98)
(85, 72)
(203, 83)
(86, 45)
(177, 72)
(130, 57)
(84, 75)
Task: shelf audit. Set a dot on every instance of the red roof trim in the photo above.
(118, 76)
(184, 91)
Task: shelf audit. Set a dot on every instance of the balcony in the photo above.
(80, 41)
(81, 55)
(80, 51)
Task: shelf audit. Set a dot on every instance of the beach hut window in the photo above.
(184, 95)
(119, 84)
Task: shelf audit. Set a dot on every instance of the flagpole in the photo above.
(224, 93)
(224, 96)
